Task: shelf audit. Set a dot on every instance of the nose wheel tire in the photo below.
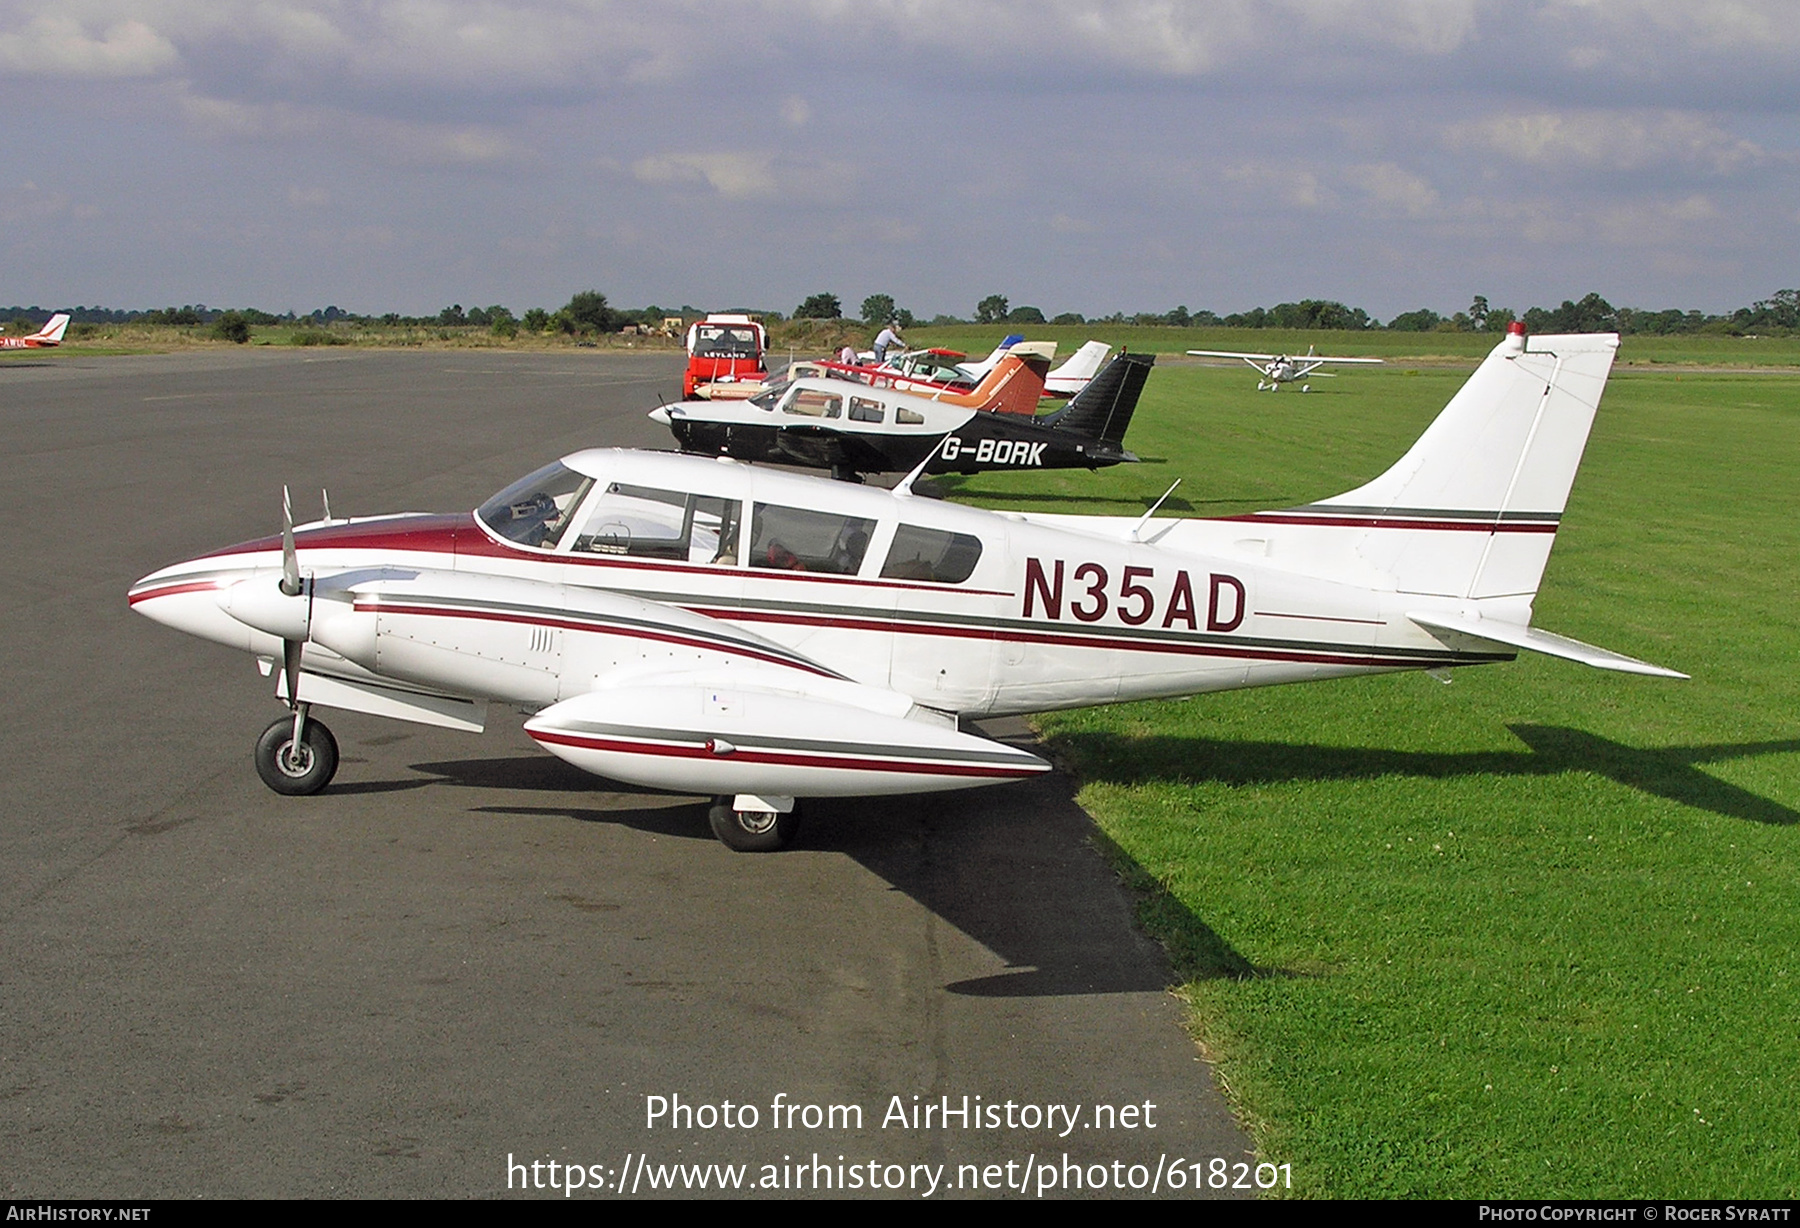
(752, 831)
(296, 770)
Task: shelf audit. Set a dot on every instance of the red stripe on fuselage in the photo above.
(588, 742)
(1122, 643)
(434, 533)
(172, 590)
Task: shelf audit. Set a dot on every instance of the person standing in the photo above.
(887, 339)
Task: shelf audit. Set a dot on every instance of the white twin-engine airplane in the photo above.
(1279, 369)
(711, 627)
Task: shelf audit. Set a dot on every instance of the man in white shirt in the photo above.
(888, 339)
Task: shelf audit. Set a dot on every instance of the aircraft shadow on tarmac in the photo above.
(1014, 868)
(1669, 772)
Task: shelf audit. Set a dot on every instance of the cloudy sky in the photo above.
(1070, 154)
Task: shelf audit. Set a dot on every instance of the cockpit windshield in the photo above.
(714, 341)
(535, 510)
(771, 396)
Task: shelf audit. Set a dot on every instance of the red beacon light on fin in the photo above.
(1515, 338)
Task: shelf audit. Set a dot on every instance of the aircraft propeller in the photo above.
(291, 586)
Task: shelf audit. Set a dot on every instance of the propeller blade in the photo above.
(325, 498)
(290, 561)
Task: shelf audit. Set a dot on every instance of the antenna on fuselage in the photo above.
(903, 489)
(1145, 518)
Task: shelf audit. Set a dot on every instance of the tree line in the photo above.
(588, 313)
(1779, 314)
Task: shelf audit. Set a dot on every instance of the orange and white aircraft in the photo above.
(49, 335)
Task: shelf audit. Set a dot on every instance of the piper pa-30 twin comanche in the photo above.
(851, 429)
(708, 627)
(1279, 369)
(49, 335)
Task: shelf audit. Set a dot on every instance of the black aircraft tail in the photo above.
(1103, 409)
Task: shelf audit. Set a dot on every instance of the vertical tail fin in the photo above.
(52, 332)
(1471, 510)
(1103, 409)
(1013, 387)
(1074, 374)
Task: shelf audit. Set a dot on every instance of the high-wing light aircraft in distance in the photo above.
(1279, 369)
(850, 429)
(679, 623)
(49, 335)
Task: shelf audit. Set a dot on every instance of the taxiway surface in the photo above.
(465, 950)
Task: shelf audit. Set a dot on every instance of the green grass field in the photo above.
(815, 338)
(1532, 934)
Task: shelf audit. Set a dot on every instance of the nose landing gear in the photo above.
(296, 766)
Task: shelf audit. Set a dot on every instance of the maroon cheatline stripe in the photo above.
(1399, 522)
(784, 760)
(571, 624)
(1121, 643)
(172, 590)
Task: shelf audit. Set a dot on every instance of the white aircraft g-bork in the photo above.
(711, 627)
(49, 335)
(1279, 369)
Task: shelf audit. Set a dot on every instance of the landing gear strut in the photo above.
(751, 831)
(296, 766)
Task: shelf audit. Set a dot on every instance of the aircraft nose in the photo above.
(187, 599)
(660, 414)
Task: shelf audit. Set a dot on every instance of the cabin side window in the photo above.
(931, 554)
(812, 403)
(799, 539)
(864, 410)
(535, 510)
(908, 417)
(643, 522)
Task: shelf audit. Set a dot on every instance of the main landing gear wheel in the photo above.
(296, 771)
(752, 831)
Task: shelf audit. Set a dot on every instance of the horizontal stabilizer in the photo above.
(1531, 639)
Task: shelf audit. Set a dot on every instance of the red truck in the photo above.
(724, 349)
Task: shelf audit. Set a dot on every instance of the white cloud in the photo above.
(1657, 223)
(396, 141)
(1609, 140)
(59, 45)
(735, 176)
(749, 175)
(1288, 184)
(1392, 188)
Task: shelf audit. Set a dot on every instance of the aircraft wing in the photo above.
(1530, 638)
(1234, 354)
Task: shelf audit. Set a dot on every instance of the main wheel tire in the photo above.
(752, 831)
(296, 774)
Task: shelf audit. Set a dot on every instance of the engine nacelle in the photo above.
(750, 740)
